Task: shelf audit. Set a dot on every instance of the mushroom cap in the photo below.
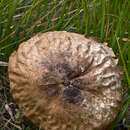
(62, 80)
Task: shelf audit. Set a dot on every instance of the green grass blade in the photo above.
(85, 17)
(125, 107)
(43, 17)
(62, 15)
(103, 3)
(119, 26)
(128, 63)
(28, 13)
(11, 11)
(38, 10)
(77, 13)
(123, 61)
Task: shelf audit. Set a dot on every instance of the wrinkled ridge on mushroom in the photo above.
(60, 78)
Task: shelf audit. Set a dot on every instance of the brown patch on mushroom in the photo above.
(72, 95)
(60, 78)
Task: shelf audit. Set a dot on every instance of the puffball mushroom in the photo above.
(62, 80)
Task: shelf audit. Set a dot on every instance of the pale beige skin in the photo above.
(48, 64)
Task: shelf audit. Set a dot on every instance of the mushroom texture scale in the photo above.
(64, 81)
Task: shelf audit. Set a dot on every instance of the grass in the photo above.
(108, 20)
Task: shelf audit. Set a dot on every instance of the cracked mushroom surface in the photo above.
(62, 81)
